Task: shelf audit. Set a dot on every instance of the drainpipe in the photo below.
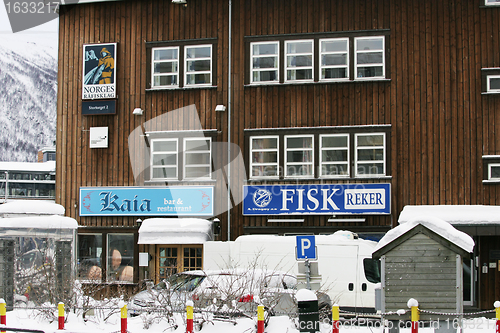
(6, 186)
(229, 128)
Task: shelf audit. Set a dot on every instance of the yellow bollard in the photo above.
(60, 315)
(335, 318)
(260, 319)
(3, 313)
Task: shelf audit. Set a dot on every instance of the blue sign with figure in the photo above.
(323, 199)
(306, 247)
(147, 201)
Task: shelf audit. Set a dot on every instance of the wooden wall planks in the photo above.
(441, 124)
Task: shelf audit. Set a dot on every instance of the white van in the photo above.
(348, 272)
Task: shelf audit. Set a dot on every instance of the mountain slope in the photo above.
(28, 94)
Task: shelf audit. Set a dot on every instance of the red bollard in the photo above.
(497, 307)
(123, 313)
(260, 319)
(189, 317)
(335, 318)
(3, 313)
(60, 317)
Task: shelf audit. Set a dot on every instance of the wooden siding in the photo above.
(441, 125)
(422, 269)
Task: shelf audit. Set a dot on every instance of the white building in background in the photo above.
(26, 180)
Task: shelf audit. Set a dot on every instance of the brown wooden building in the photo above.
(386, 102)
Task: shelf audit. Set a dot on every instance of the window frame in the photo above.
(182, 45)
(490, 178)
(252, 57)
(185, 152)
(316, 38)
(357, 52)
(186, 72)
(322, 149)
(153, 153)
(104, 232)
(265, 150)
(180, 137)
(321, 66)
(153, 62)
(491, 4)
(317, 133)
(287, 163)
(356, 159)
(289, 68)
(488, 84)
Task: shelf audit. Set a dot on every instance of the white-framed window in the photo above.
(494, 171)
(334, 59)
(299, 60)
(493, 83)
(370, 153)
(264, 62)
(198, 65)
(198, 158)
(334, 155)
(164, 159)
(369, 57)
(492, 2)
(264, 157)
(299, 155)
(165, 67)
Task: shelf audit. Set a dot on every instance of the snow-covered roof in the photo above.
(49, 166)
(175, 231)
(437, 225)
(39, 222)
(30, 207)
(454, 214)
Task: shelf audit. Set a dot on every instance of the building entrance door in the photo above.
(171, 259)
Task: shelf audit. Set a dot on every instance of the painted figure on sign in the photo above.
(103, 72)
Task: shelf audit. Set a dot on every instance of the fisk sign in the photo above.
(317, 199)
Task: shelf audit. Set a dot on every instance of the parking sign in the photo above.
(306, 247)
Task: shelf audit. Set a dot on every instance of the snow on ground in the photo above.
(31, 319)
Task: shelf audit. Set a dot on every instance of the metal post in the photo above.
(6, 185)
(308, 274)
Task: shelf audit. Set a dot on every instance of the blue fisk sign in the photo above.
(144, 201)
(317, 199)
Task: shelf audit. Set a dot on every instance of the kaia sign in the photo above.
(142, 201)
(317, 199)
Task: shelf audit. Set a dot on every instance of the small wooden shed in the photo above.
(423, 259)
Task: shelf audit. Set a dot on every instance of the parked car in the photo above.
(232, 291)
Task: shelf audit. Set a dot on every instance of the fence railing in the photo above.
(189, 311)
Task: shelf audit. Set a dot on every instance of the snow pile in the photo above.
(454, 214)
(439, 226)
(39, 222)
(16, 208)
(175, 231)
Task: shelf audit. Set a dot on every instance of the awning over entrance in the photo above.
(175, 231)
(472, 219)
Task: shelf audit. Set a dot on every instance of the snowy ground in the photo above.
(32, 319)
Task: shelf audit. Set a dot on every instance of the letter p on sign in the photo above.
(306, 247)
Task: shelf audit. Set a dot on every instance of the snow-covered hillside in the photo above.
(28, 91)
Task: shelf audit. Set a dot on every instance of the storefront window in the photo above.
(89, 256)
(120, 257)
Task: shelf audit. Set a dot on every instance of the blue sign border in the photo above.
(317, 199)
(147, 201)
(313, 249)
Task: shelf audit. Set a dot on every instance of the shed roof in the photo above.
(436, 228)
